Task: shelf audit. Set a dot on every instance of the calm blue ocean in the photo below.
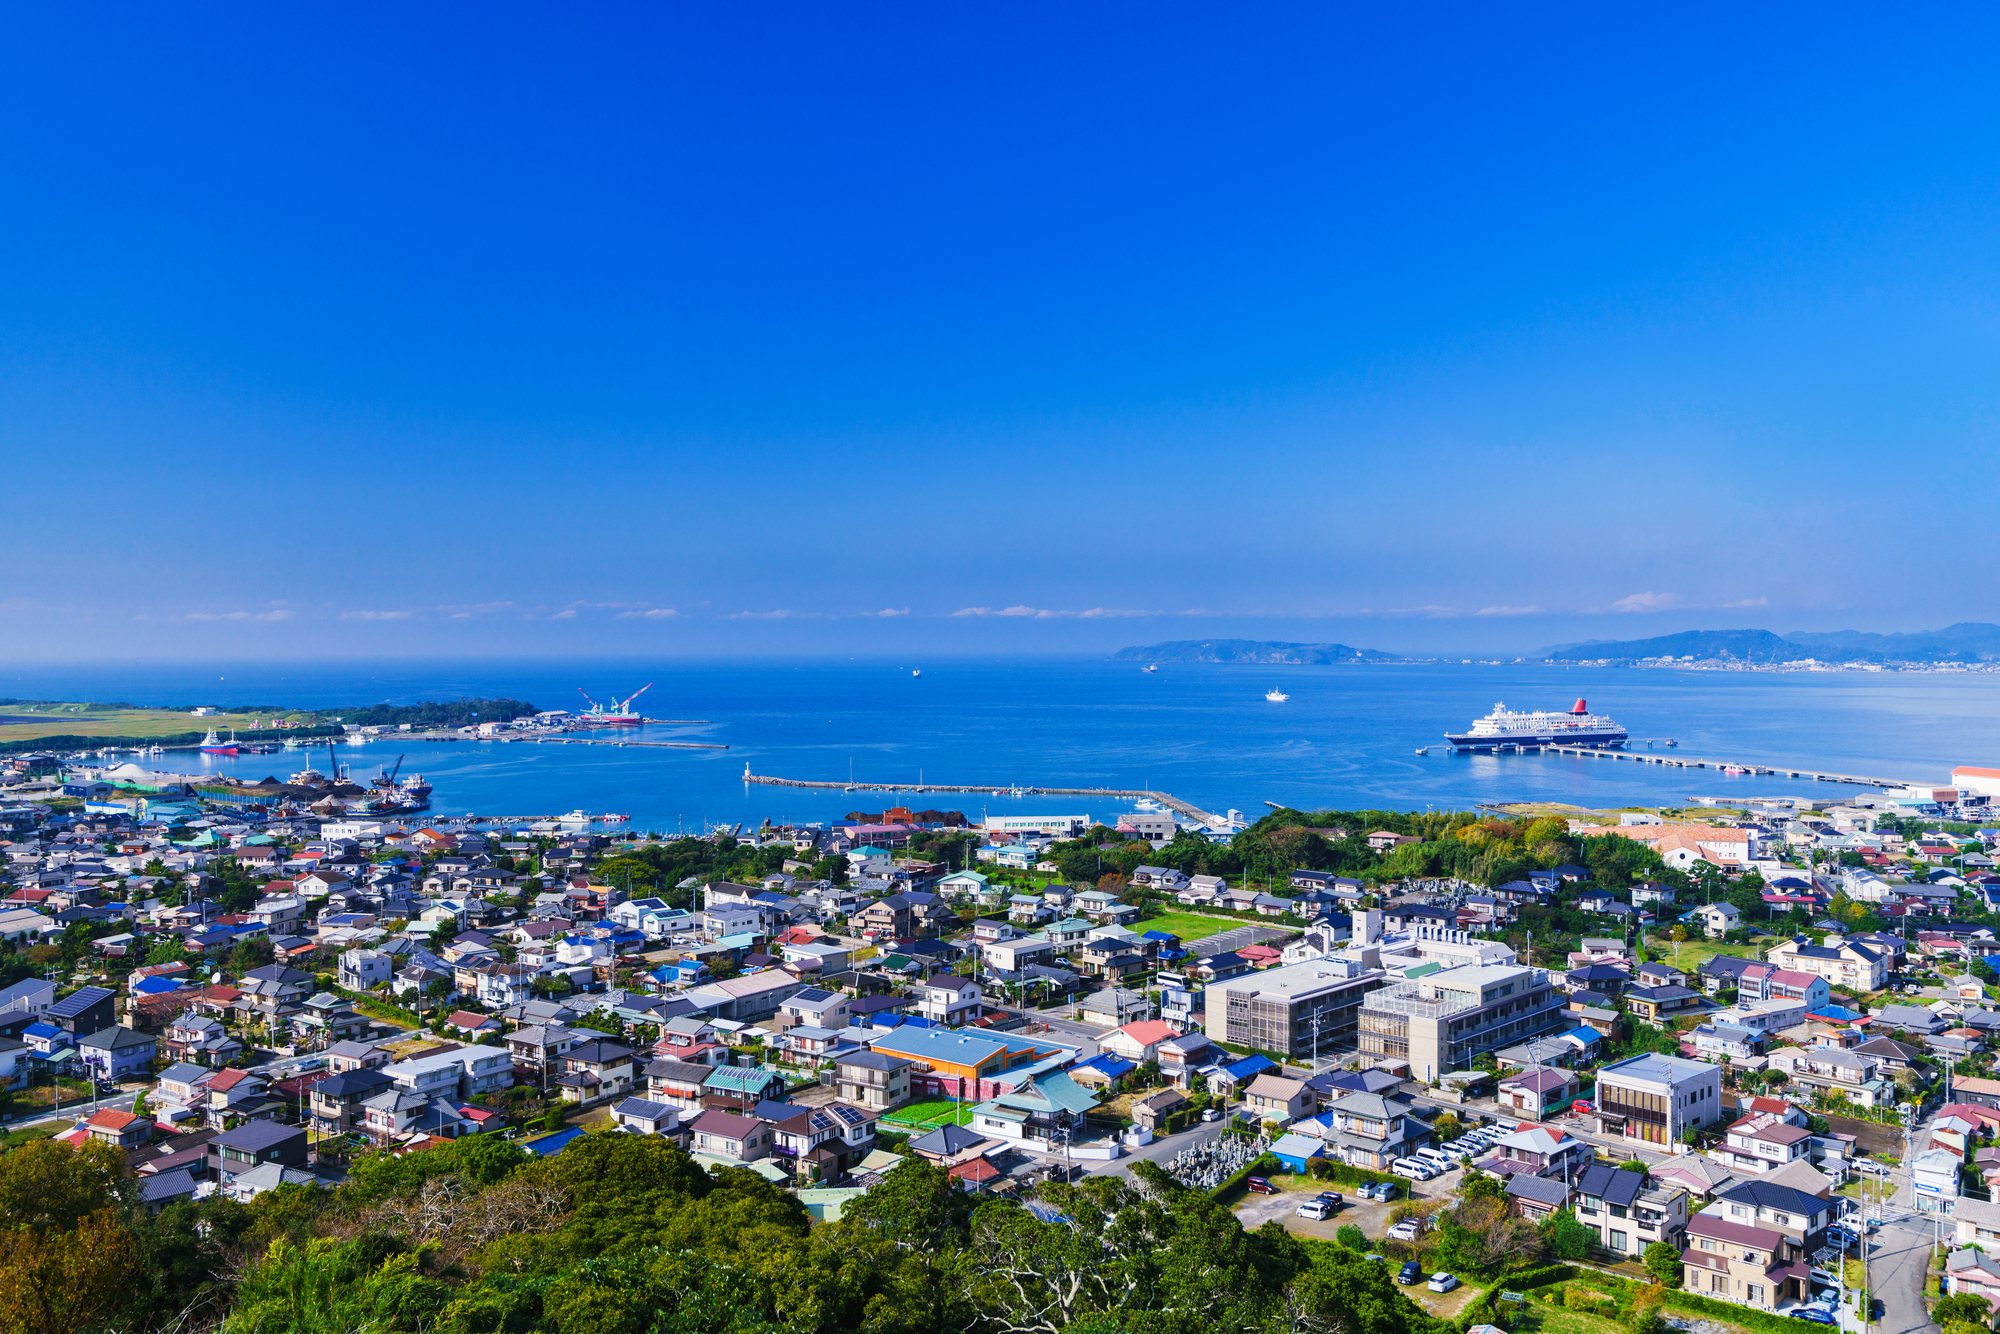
(1345, 739)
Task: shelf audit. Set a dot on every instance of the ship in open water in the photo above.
(1505, 727)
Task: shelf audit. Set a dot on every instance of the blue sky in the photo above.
(613, 330)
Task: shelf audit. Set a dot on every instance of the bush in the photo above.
(1663, 1262)
(1352, 1237)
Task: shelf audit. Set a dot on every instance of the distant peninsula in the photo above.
(1965, 642)
(1252, 650)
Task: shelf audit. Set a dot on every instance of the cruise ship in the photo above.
(1504, 727)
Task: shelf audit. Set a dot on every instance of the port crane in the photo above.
(387, 782)
(619, 709)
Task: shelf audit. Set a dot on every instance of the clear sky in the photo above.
(757, 328)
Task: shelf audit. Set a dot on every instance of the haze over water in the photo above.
(1345, 739)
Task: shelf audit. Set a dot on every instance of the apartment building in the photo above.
(1298, 1010)
(1655, 1099)
(1842, 962)
(1629, 1212)
(1443, 1021)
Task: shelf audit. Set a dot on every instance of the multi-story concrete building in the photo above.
(1655, 1098)
(1305, 1010)
(1443, 1021)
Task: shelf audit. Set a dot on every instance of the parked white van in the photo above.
(1437, 1157)
(1413, 1169)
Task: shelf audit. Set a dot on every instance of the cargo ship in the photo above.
(1504, 727)
(617, 713)
(214, 745)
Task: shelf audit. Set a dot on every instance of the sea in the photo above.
(1347, 737)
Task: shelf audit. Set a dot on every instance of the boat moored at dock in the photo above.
(1504, 727)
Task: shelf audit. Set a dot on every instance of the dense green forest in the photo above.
(623, 1234)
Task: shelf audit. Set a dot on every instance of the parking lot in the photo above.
(1371, 1218)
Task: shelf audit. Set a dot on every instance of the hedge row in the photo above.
(1745, 1317)
(1233, 1187)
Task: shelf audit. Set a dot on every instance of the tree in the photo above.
(1352, 1237)
(1663, 1262)
(1568, 1238)
(1963, 1307)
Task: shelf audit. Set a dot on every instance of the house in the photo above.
(1180, 1057)
(121, 1130)
(1758, 1267)
(1153, 1110)
(949, 1000)
(1537, 1151)
(728, 1135)
(739, 1088)
(1275, 1098)
(85, 1010)
(251, 1145)
(820, 1142)
(1842, 962)
(590, 1071)
(641, 1117)
(1661, 1005)
(1934, 1175)
(118, 1053)
(1832, 1070)
(1537, 1094)
(1628, 1212)
(1115, 1006)
(1140, 1041)
(1534, 1197)
(1800, 1215)
(677, 1084)
(336, 1102)
(1718, 919)
(876, 1081)
(1762, 1143)
(1368, 1130)
(1973, 1272)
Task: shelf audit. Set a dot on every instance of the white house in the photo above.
(1718, 919)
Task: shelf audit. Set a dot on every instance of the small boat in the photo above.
(916, 671)
(1150, 667)
(1734, 769)
(1276, 696)
(213, 745)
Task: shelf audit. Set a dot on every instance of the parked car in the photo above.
(1411, 1272)
(1825, 1276)
(1582, 1106)
(1407, 1230)
(1211, 1113)
(1430, 1153)
(1839, 1235)
(1333, 1199)
(1260, 1186)
(1442, 1283)
(1818, 1315)
(1315, 1209)
(1411, 1168)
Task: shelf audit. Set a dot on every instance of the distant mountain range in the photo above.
(1252, 650)
(1967, 641)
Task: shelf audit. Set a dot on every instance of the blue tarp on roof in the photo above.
(154, 986)
(1584, 1034)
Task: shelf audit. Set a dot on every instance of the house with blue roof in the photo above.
(1238, 1074)
(1105, 1071)
(1587, 1040)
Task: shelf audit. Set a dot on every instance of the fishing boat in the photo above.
(1276, 696)
(1150, 667)
(916, 671)
(1734, 769)
(214, 745)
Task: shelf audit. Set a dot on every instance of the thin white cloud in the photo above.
(1647, 602)
(279, 615)
(375, 615)
(1750, 602)
(468, 611)
(892, 611)
(1530, 610)
(564, 615)
(1018, 611)
(650, 614)
(973, 611)
(780, 615)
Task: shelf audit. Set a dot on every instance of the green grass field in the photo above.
(929, 1114)
(1195, 926)
(1690, 955)
(29, 722)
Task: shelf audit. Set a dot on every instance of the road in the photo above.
(128, 1094)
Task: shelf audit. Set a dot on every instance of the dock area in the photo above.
(612, 741)
(1747, 768)
(1166, 799)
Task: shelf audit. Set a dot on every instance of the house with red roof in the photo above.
(121, 1130)
(1139, 1041)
